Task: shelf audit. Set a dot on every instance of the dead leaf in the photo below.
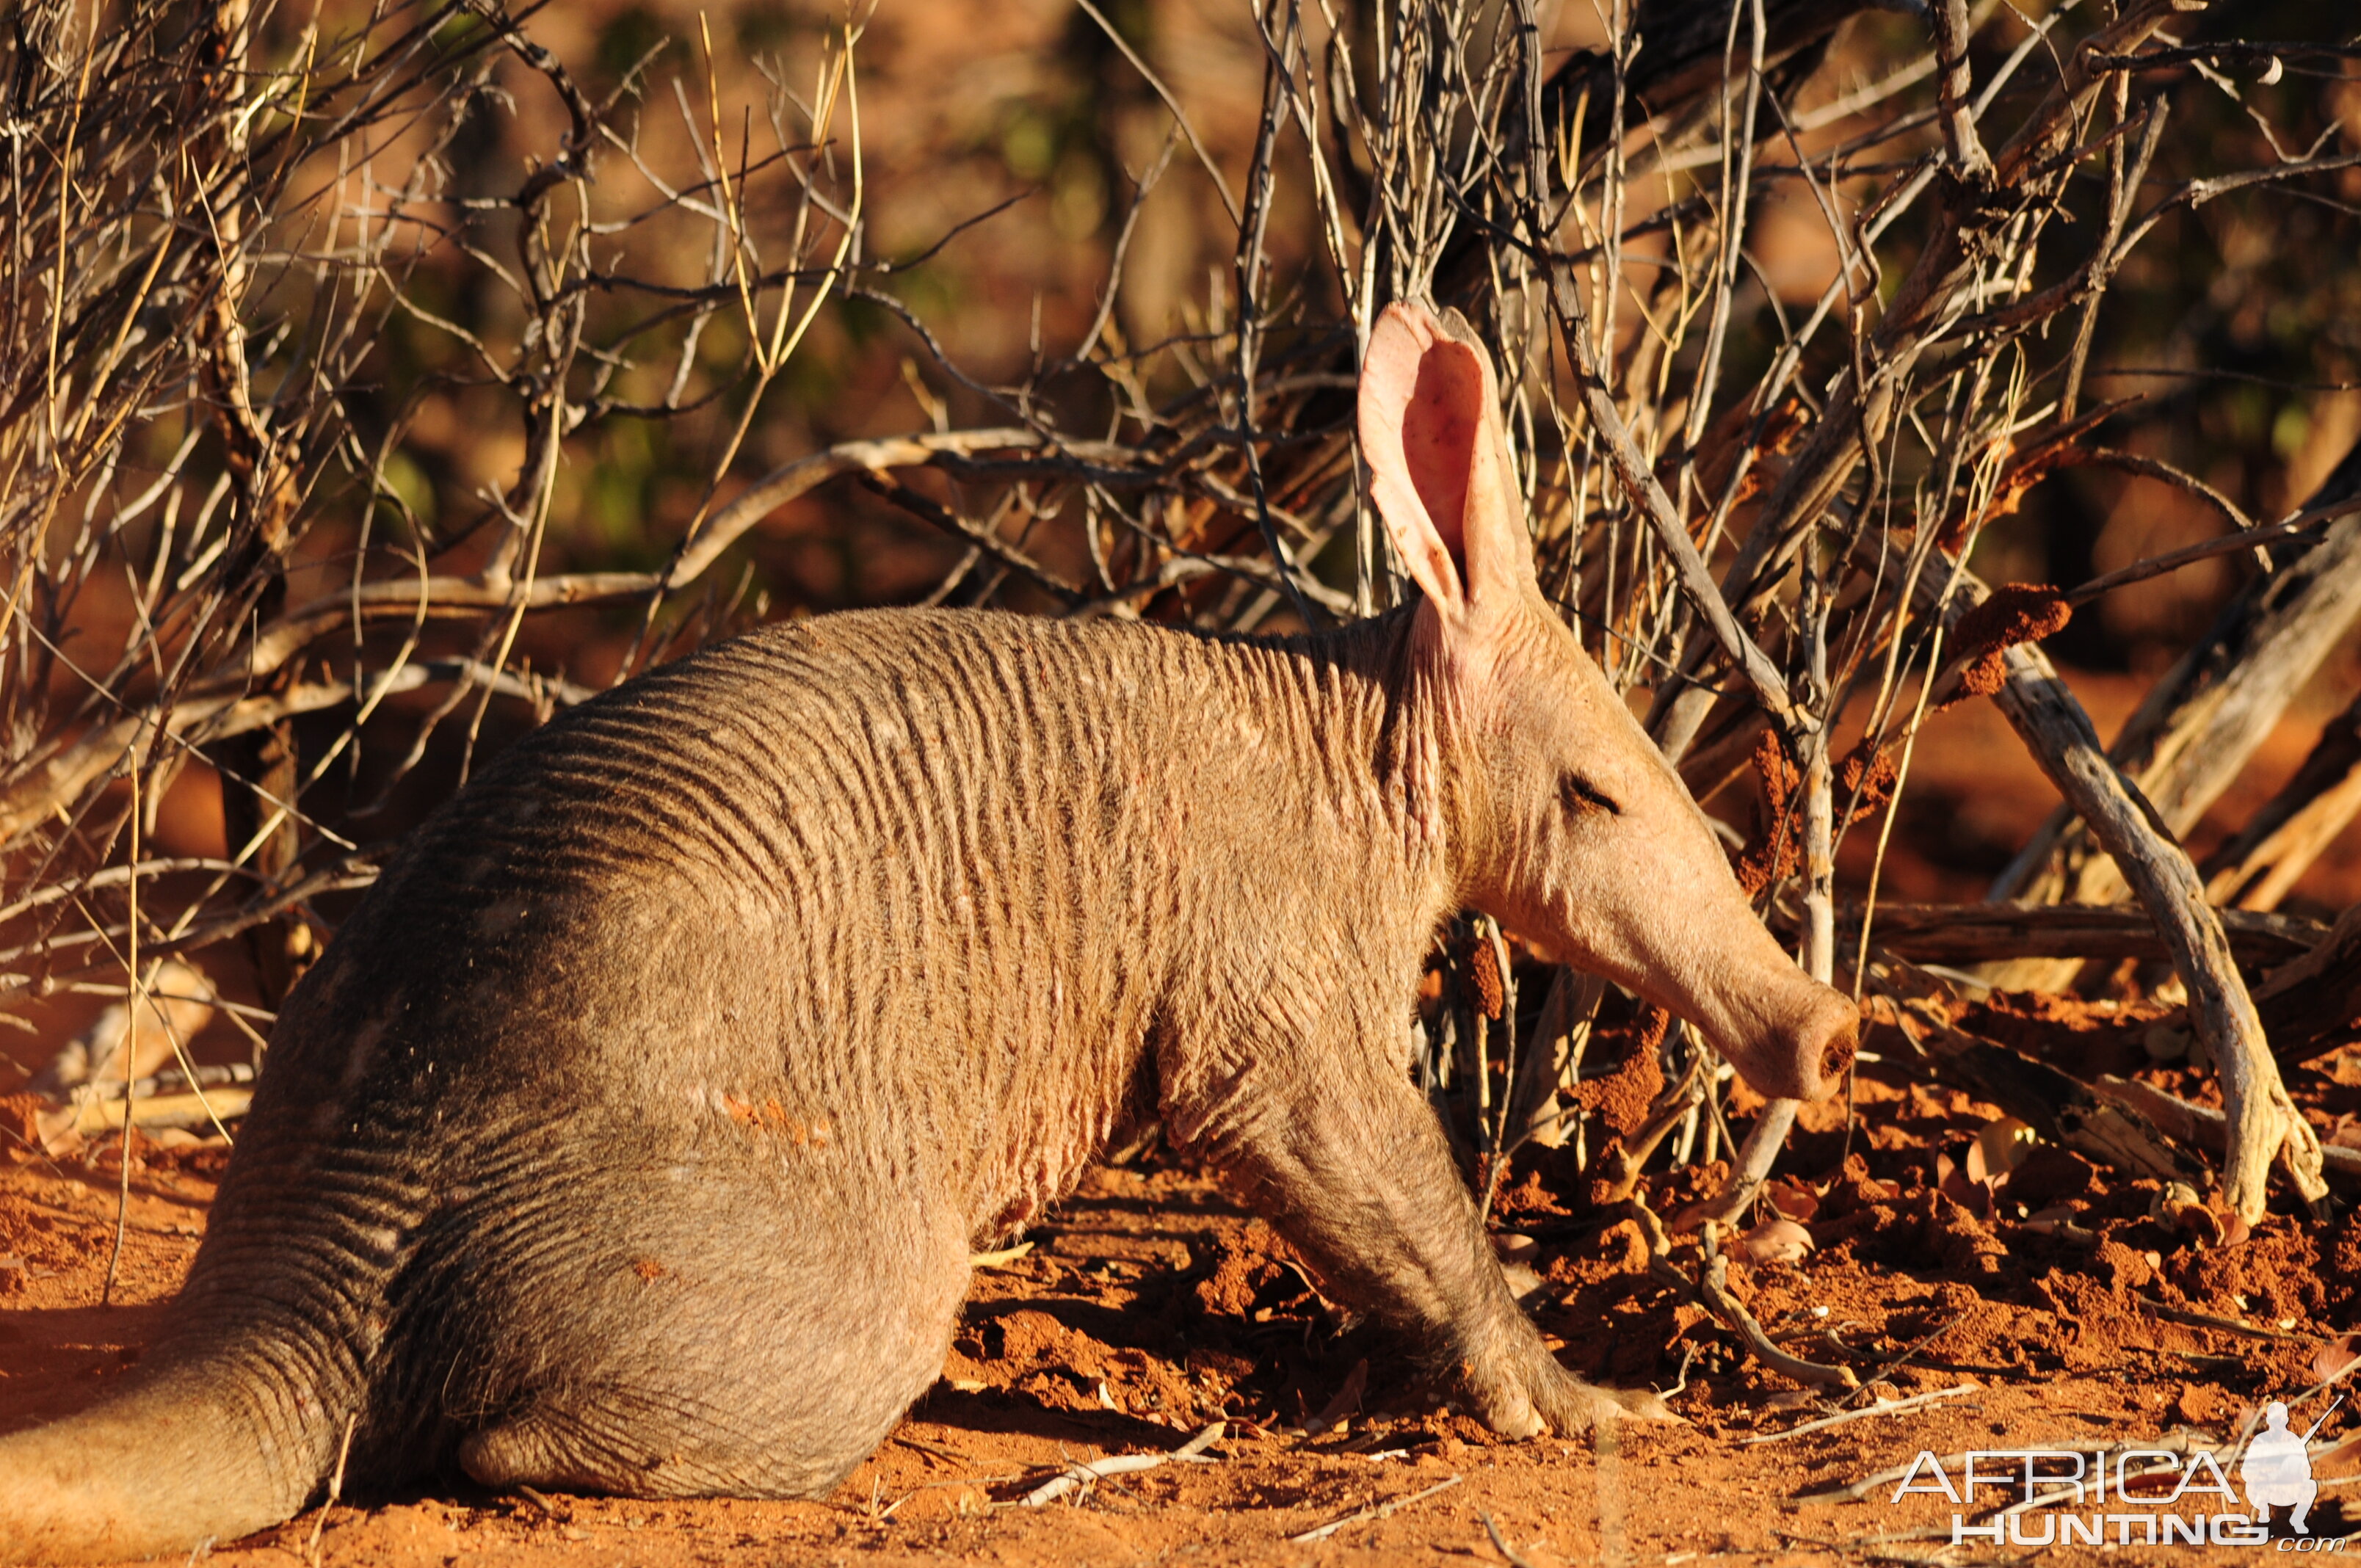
(2002, 1146)
(1776, 1241)
(1792, 1199)
(1348, 1400)
(2336, 1359)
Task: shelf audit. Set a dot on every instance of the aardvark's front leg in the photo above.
(1355, 1172)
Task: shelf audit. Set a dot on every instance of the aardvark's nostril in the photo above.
(1825, 1040)
(1836, 1056)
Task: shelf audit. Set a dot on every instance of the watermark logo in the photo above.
(2277, 1469)
(2130, 1496)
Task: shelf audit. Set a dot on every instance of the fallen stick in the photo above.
(1552, 1059)
(94, 1115)
(2289, 832)
(939, 1453)
(1882, 1407)
(2058, 1106)
(2313, 1005)
(1711, 1290)
(1876, 1546)
(2065, 1230)
(177, 1001)
(2310, 1006)
(1976, 933)
(1375, 1511)
(2221, 1326)
(1189, 1452)
(336, 1493)
(2351, 1366)
(1500, 1543)
(172, 1080)
(1917, 1346)
(2264, 1124)
(2202, 1126)
(548, 1509)
(2213, 710)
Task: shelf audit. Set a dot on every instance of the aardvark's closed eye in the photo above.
(1581, 796)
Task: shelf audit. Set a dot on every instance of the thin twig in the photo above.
(1084, 1475)
(1882, 1407)
(1375, 1511)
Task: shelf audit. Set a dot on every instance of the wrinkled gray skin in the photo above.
(634, 1134)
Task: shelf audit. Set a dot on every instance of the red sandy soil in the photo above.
(1152, 1305)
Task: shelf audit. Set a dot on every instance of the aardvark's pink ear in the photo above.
(1430, 433)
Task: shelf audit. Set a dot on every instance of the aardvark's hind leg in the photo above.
(727, 1372)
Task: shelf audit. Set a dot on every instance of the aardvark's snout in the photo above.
(1801, 1041)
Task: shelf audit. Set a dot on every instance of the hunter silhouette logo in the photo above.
(2277, 1467)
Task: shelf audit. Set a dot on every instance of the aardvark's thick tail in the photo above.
(189, 1451)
